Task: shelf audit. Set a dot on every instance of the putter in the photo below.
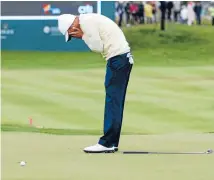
(209, 151)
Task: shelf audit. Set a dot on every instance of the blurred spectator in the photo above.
(211, 10)
(134, 11)
(127, 11)
(191, 13)
(184, 14)
(163, 7)
(177, 8)
(154, 11)
(198, 10)
(120, 11)
(169, 9)
(141, 12)
(148, 12)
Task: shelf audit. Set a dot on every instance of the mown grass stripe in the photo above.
(66, 110)
(171, 115)
(179, 106)
(65, 94)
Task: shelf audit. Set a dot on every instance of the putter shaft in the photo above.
(150, 152)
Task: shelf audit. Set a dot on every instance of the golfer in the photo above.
(102, 35)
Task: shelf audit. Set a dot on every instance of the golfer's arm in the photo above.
(94, 41)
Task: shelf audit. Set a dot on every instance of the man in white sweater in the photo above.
(102, 35)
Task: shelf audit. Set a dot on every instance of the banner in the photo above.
(36, 35)
(47, 8)
(32, 25)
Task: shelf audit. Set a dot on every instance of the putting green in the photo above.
(51, 157)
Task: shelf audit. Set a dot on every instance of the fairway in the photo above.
(159, 99)
(51, 157)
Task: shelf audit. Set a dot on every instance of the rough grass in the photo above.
(175, 36)
(178, 46)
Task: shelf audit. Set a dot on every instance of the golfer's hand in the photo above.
(77, 33)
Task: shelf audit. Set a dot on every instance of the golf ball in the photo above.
(22, 163)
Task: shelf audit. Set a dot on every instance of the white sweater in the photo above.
(102, 35)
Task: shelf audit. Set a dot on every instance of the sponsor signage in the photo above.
(47, 8)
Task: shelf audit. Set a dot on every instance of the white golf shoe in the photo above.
(98, 148)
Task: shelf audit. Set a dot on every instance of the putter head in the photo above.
(209, 151)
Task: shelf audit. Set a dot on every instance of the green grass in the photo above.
(159, 99)
(41, 129)
(175, 36)
(51, 157)
(169, 106)
(178, 46)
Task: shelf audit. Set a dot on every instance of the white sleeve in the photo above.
(91, 36)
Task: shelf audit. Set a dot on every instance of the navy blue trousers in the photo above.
(118, 71)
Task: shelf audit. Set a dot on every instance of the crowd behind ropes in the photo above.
(148, 12)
